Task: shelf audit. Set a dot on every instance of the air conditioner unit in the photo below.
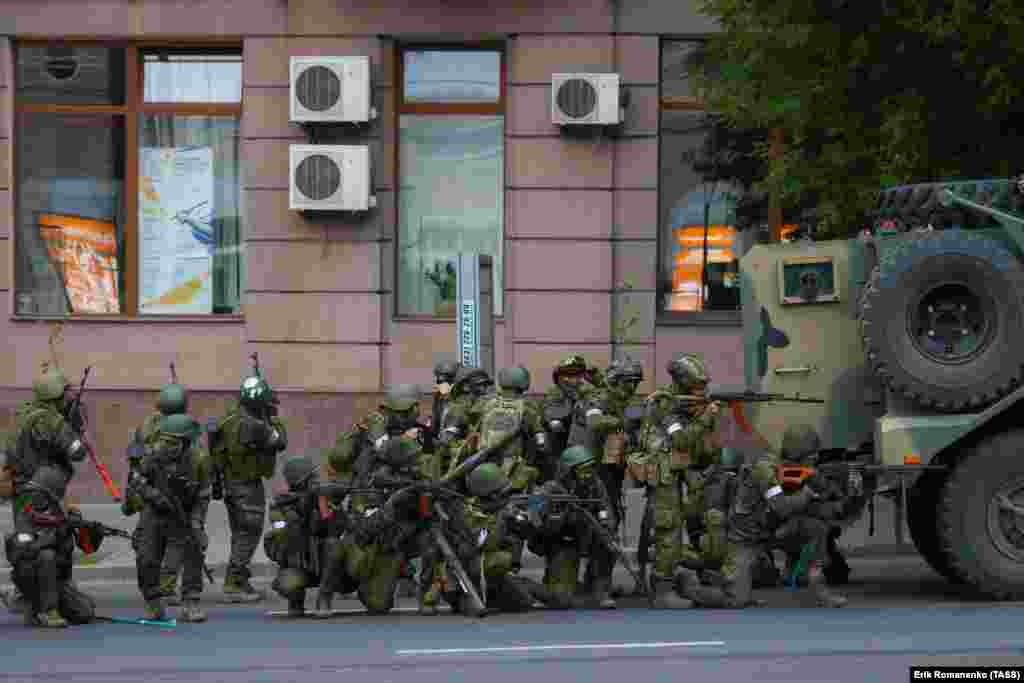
(587, 99)
(330, 90)
(329, 178)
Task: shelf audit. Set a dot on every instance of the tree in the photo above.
(868, 93)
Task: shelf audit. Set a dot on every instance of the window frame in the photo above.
(130, 112)
(693, 104)
(441, 109)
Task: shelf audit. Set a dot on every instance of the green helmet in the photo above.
(575, 456)
(256, 392)
(800, 442)
(50, 385)
(401, 398)
(573, 365)
(472, 380)
(517, 379)
(298, 469)
(179, 425)
(173, 399)
(485, 480)
(687, 370)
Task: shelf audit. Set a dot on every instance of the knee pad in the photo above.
(291, 581)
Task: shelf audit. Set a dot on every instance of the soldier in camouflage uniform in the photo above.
(41, 436)
(757, 508)
(678, 443)
(244, 445)
(500, 529)
(299, 537)
(563, 537)
(599, 424)
(40, 551)
(173, 400)
(462, 416)
(445, 373)
(809, 533)
(173, 480)
(386, 454)
(559, 405)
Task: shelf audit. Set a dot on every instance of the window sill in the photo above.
(234, 318)
(699, 319)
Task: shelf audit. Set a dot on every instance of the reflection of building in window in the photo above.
(690, 290)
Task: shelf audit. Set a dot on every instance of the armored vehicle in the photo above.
(914, 338)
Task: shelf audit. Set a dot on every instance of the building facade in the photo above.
(116, 114)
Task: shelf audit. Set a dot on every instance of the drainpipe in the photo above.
(615, 69)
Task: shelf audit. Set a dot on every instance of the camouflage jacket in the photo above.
(760, 504)
(350, 445)
(296, 530)
(42, 437)
(676, 438)
(255, 460)
(180, 473)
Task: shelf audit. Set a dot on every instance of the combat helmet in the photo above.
(622, 373)
(486, 480)
(575, 456)
(572, 365)
(687, 371)
(50, 385)
(401, 398)
(297, 470)
(472, 380)
(800, 442)
(445, 371)
(179, 425)
(173, 399)
(515, 379)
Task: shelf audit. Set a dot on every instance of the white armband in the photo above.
(280, 524)
(556, 425)
(772, 492)
(381, 441)
(541, 439)
(673, 428)
(593, 411)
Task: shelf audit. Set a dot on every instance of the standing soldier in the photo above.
(40, 551)
(173, 480)
(600, 421)
(244, 446)
(559, 405)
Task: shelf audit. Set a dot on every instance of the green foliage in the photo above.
(868, 93)
(443, 279)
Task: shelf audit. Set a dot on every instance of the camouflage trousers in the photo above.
(246, 503)
(677, 508)
(561, 574)
(370, 570)
(46, 584)
(174, 561)
(154, 537)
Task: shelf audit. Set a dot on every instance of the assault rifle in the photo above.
(76, 522)
(745, 397)
(75, 416)
(274, 402)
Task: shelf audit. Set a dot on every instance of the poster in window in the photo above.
(83, 251)
(176, 240)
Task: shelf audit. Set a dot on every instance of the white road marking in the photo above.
(563, 646)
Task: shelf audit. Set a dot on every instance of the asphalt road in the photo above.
(901, 614)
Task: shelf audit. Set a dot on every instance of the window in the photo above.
(699, 243)
(451, 172)
(127, 181)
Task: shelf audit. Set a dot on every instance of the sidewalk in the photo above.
(115, 560)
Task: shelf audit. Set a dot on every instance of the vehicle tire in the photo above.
(941, 320)
(922, 518)
(983, 539)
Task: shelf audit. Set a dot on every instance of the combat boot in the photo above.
(14, 601)
(322, 610)
(154, 610)
(665, 595)
(240, 590)
(602, 593)
(817, 583)
(297, 607)
(50, 619)
(428, 602)
(192, 612)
